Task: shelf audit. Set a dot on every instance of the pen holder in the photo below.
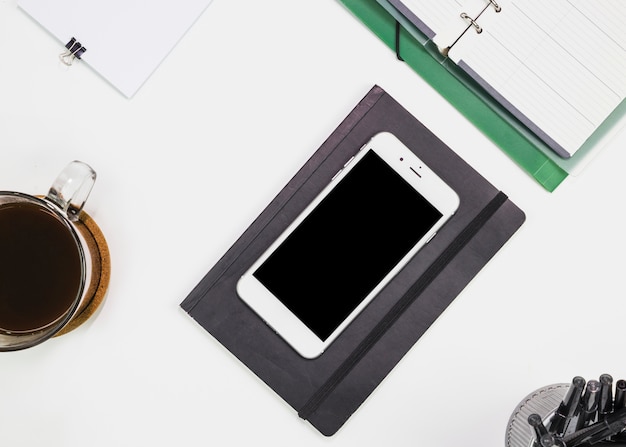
(579, 414)
(544, 402)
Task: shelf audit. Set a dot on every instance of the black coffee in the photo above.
(40, 267)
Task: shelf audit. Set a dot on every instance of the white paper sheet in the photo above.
(126, 40)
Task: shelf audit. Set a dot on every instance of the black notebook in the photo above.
(328, 389)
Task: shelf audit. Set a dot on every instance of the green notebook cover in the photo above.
(504, 133)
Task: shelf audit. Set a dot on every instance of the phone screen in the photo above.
(348, 244)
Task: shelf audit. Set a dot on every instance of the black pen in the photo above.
(611, 425)
(549, 440)
(609, 443)
(620, 394)
(537, 424)
(605, 403)
(589, 405)
(619, 403)
(567, 409)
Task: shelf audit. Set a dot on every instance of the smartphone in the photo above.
(366, 224)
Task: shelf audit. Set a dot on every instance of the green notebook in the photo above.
(462, 93)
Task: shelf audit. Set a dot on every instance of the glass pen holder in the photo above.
(544, 402)
(582, 413)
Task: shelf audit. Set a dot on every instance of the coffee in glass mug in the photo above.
(43, 263)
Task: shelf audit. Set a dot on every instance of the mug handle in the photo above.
(71, 188)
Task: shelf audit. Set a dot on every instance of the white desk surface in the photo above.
(231, 114)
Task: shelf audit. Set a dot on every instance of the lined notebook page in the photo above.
(559, 66)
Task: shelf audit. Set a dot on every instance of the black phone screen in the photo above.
(347, 245)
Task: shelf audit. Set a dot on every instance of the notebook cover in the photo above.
(328, 389)
(504, 133)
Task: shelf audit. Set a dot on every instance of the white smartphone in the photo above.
(369, 221)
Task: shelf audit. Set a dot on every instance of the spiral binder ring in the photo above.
(74, 51)
(495, 5)
(472, 22)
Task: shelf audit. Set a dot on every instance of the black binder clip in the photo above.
(74, 50)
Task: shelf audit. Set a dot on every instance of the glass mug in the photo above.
(44, 265)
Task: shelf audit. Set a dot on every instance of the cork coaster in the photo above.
(100, 272)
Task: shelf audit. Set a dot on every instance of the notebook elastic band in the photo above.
(398, 309)
(398, 41)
